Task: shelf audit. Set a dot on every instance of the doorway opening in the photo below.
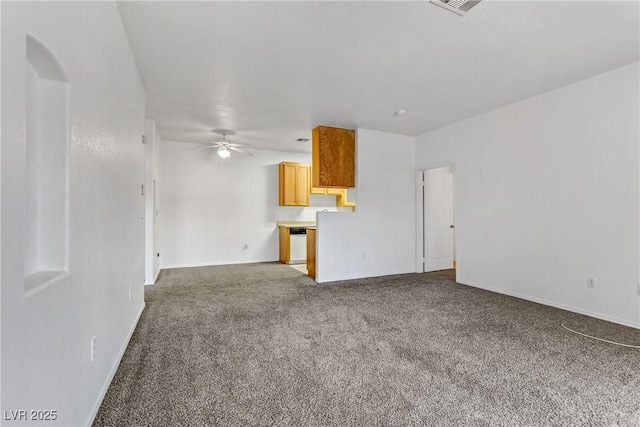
(437, 220)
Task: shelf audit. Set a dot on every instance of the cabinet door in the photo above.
(284, 234)
(333, 157)
(311, 253)
(287, 184)
(303, 181)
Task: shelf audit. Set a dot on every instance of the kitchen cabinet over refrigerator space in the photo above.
(333, 154)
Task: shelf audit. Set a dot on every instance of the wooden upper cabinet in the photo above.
(333, 157)
(303, 185)
(295, 179)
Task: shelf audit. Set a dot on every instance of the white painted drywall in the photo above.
(547, 194)
(379, 237)
(53, 196)
(46, 155)
(46, 336)
(32, 176)
(209, 208)
(1, 208)
(152, 262)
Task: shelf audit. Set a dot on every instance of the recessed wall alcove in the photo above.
(46, 167)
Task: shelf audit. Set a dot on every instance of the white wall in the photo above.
(547, 194)
(46, 335)
(379, 238)
(209, 208)
(151, 158)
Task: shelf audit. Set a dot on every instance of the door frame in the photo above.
(420, 214)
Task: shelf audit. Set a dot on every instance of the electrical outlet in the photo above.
(129, 293)
(94, 348)
(591, 282)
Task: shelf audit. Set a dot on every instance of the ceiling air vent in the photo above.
(461, 7)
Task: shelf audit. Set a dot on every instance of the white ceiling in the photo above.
(270, 71)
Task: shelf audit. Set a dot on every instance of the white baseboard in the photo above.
(155, 279)
(478, 285)
(561, 306)
(578, 310)
(210, 264)
(334, 278)
(114, 368)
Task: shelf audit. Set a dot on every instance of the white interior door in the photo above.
(438, 219)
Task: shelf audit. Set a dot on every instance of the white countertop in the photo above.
(290, 224)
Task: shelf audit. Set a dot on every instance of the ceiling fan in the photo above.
(225, 147)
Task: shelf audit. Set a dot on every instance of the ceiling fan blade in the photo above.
(240, 150)
(229, 143)
(200, 148)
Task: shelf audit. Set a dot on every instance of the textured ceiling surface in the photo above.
(270, 71)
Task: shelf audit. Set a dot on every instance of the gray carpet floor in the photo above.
(262, 344)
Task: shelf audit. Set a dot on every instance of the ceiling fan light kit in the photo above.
(224, 153)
